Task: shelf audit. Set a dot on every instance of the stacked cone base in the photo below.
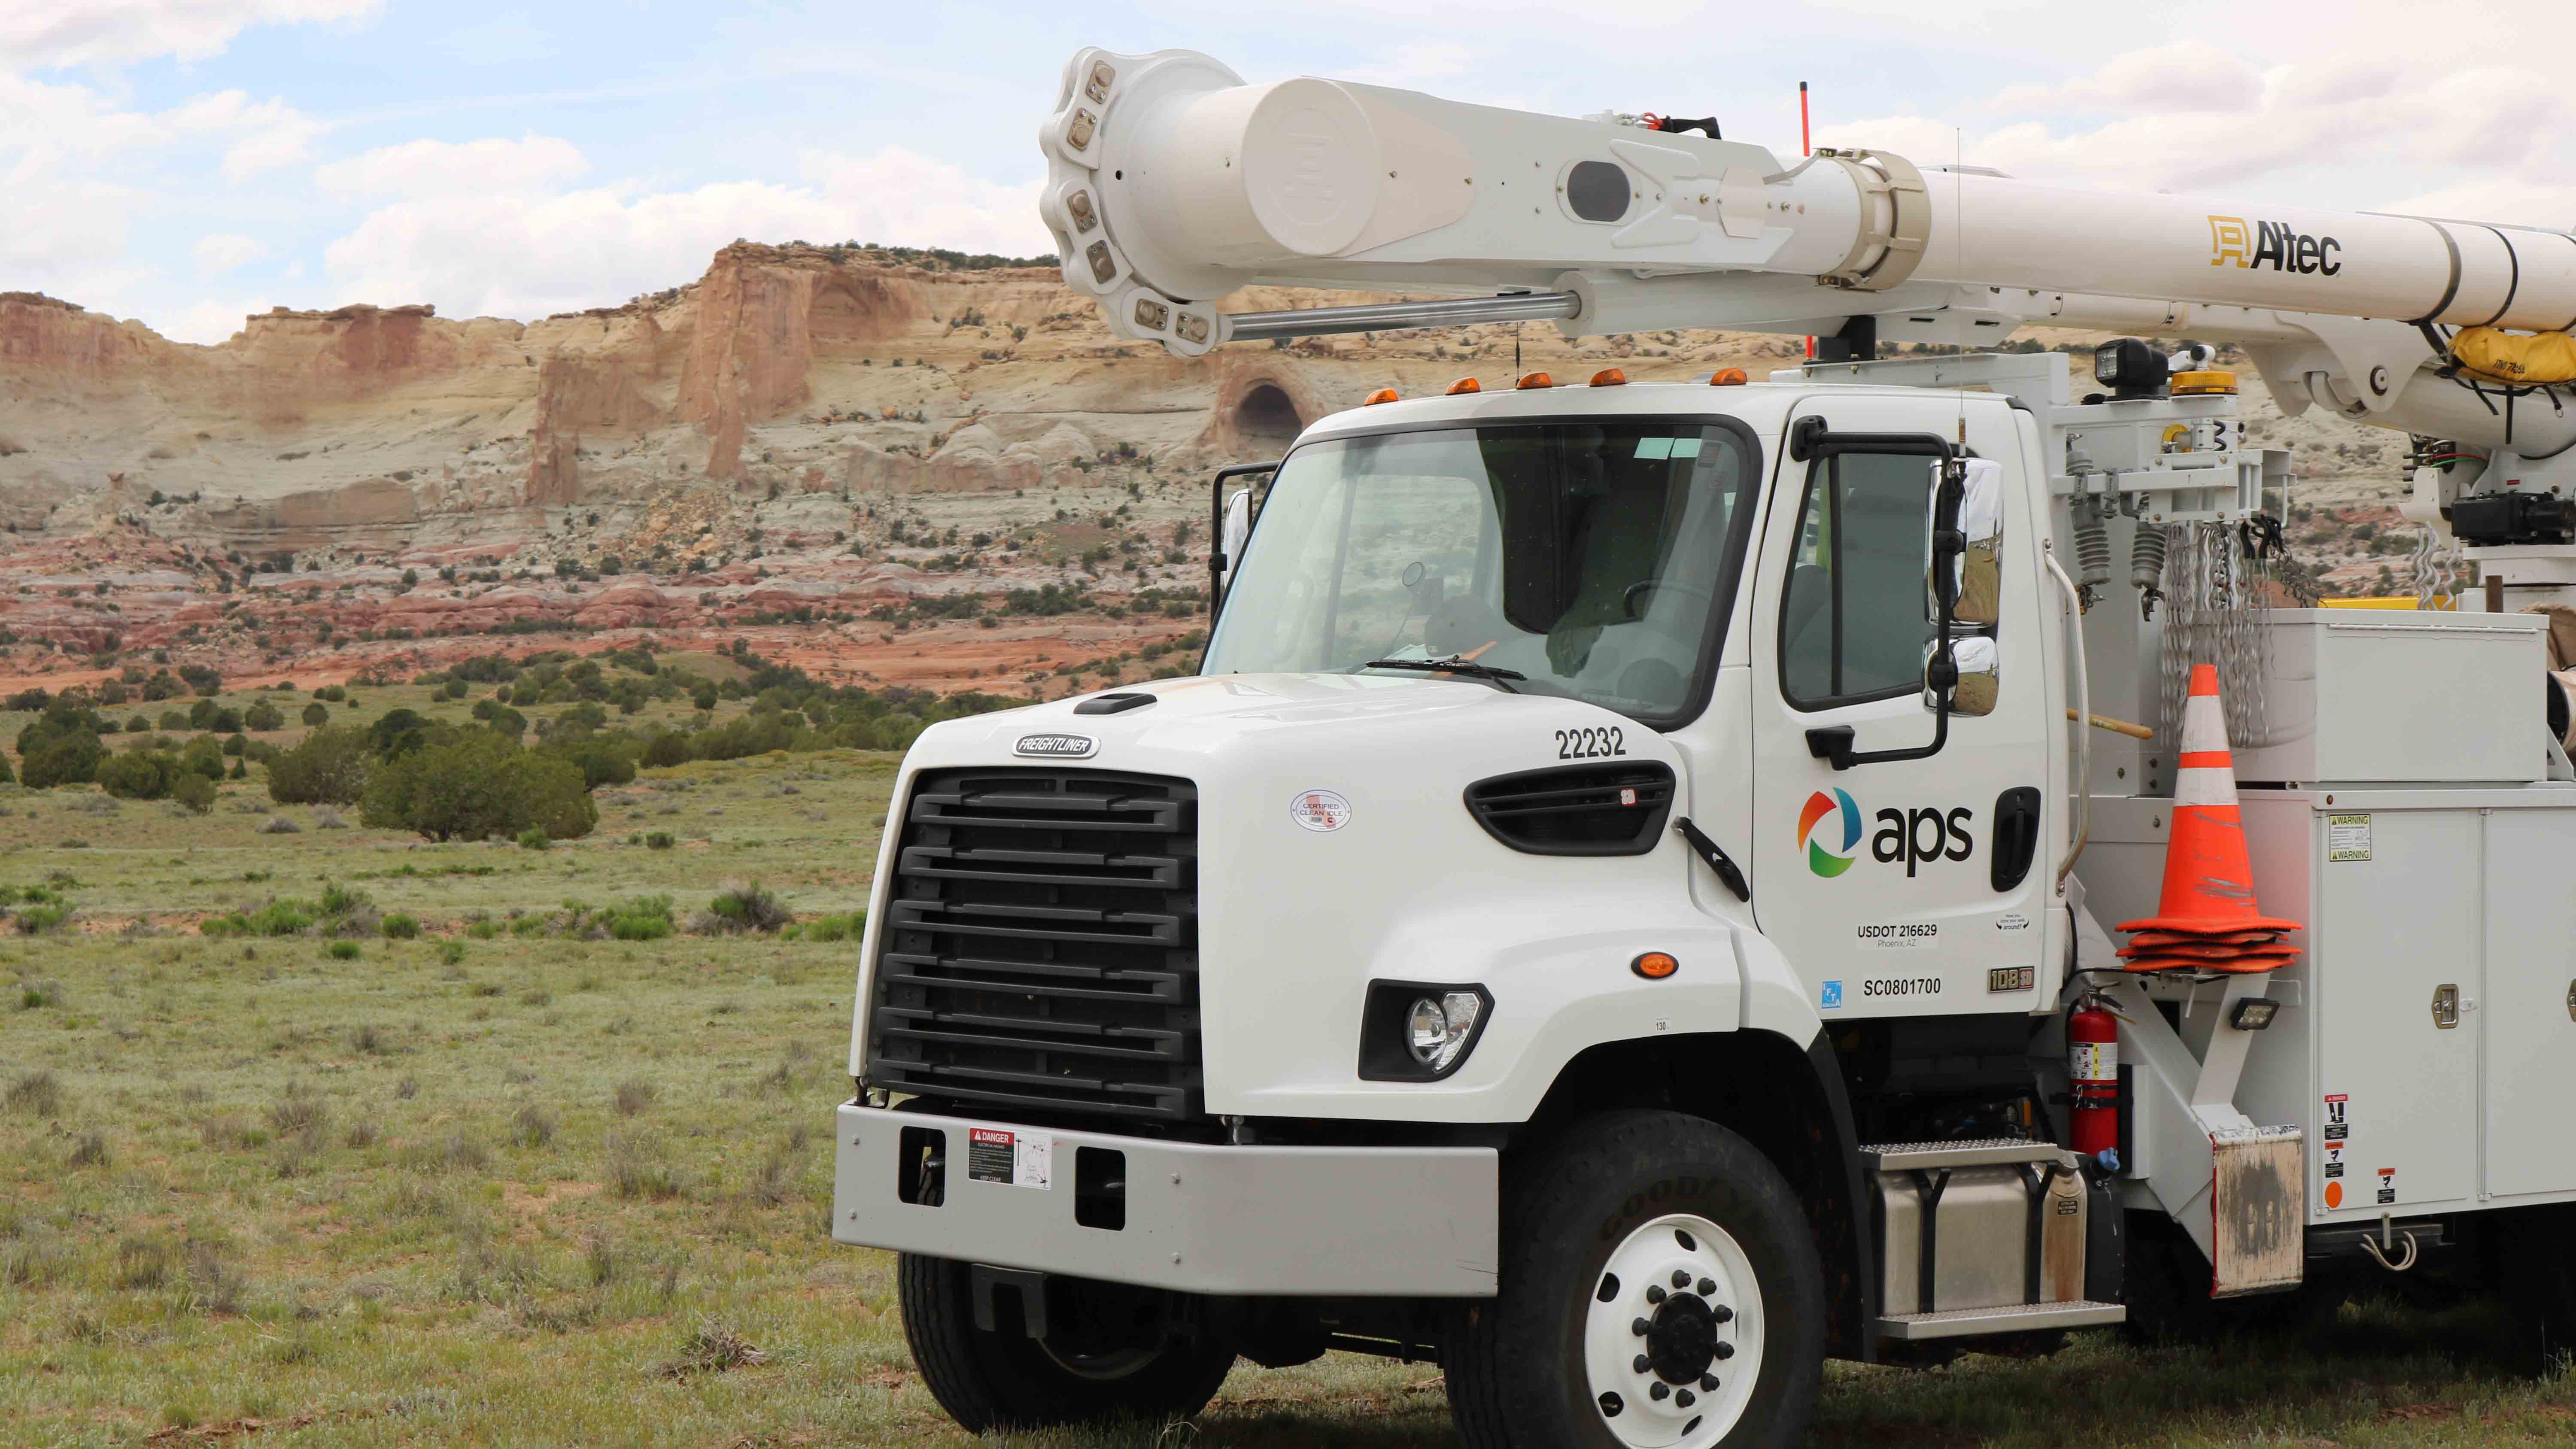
(2237, 966)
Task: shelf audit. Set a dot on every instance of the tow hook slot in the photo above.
(921, 1167)
(1100, 1188)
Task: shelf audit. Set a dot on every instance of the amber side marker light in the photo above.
(1609, 377)
(1727, 377)
(1465, 384)
(1537, 379)
(1654, 965)
(1384, 394)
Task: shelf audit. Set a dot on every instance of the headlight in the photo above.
(1414, 1031)
(1437, 1030)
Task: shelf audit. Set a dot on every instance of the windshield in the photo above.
(1590, 557)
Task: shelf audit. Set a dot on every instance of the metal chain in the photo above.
(2217, 611)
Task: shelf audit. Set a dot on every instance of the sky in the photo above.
(187, 162)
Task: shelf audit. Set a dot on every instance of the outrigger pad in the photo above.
(2260, 1177)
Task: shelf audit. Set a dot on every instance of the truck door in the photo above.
(1905, 887)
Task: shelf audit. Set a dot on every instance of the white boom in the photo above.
(1172, 183)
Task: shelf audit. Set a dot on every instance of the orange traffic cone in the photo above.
(2207, 919)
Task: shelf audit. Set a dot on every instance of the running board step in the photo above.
(2012, 1318)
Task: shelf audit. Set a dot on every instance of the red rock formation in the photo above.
(761, 314)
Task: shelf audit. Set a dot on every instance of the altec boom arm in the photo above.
(1172, 182)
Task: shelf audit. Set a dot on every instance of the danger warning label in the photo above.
(1013, 1159)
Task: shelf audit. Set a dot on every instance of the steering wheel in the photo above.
(1628, 596)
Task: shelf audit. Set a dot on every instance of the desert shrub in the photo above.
(633, 1097)
(194, 792)
(601, 762)
(658, 840)
(138, 774)
(37, 1094)
(263, 715)
(317, 714)
(401, 926)
(638, 1167)
(667, 749)
(331, 767)
(476, 788)
(645, 918)
(342, 950)
(534, 838)
(71, 759)
(741, 906)
(848, 927)
(450, 953)
(532, 1126)
(205, 756)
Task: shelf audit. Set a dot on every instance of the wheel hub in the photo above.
(1673, 1335)
(1681, 1342)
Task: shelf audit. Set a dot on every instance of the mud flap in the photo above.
(2259, 1184)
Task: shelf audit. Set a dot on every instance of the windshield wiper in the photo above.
(1454, 664)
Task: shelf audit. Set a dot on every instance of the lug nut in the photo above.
(1725, 1350)
(1706, 1287)
(1640, 1327)
(1685, 1398)
(1723, 1313)
(1680, 1279)
(1654, 1294)
(1659, 1391)
(1708, 1383)
(1642, 1364)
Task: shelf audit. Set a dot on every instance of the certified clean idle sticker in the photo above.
(1320, 810)
(1012, 1159)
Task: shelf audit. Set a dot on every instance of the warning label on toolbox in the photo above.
(1015, 1159)
(2388, 1184)
(2334, 1159)
(2347, 837)
(2337, 1129)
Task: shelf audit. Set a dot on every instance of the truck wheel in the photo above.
(1007, 1380)
(1660, 1290)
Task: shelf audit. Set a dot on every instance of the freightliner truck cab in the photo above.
(1591, 889)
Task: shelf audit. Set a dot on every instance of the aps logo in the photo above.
(1829, 830)
(1829, 827)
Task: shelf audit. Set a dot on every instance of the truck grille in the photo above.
(1040, 948)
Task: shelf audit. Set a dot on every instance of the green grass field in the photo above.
(496, 1185)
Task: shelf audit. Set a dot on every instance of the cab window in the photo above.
(1855, 621)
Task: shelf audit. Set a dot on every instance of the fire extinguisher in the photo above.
(2093, 1070)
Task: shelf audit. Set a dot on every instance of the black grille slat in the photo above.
(1576, 809)
(1041, 946)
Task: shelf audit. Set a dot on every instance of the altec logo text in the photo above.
(2271, 244)
(1829, 830)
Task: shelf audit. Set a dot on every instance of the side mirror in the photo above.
(1967, 558)
(1229, 526)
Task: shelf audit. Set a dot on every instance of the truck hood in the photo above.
(1335, 847)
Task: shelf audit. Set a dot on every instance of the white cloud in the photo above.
(418, 169)
(224, 250)
(90, 32)
(526, 253)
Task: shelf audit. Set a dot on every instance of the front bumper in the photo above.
(1380, 1222)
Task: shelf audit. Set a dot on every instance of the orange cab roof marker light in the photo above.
(1537, 379)
(1465, 384)
(1382, 395)
(1609, 377)
(1727, 377)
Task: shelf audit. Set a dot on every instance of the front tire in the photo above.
(1006, 1380)
(1660, 1290)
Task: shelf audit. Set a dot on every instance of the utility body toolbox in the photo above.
(1980, 1237)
